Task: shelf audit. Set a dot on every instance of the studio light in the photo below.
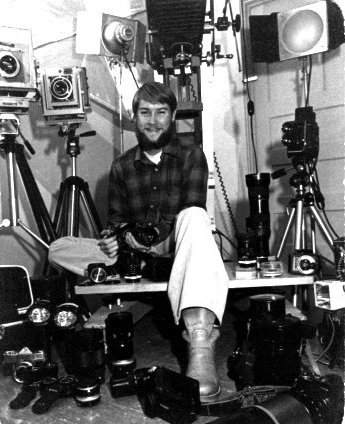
(40, 312)
(66, 316)
(303, 31)
(111, 36)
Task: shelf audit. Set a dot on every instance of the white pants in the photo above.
(198, 277)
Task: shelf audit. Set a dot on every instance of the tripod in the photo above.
(303, 202)
(74, 188)
(14, 152)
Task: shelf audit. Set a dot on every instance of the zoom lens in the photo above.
(259, 219)
(61, 88)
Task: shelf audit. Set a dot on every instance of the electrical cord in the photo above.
(250, 103)
(321, 206)
(130, 69)
(330, 341)
(215, 160)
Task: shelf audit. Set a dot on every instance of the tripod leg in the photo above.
(12, 187)
(91, 209)
(58, 210)
(71, 207)
(322, 225)
(42, 217)
(299, 234)
(286, 232)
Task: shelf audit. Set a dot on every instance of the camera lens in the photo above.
(87, 392)
(61, 88)
(88, 354)
(246, 249)
(9, 65)
(259, 219)
(119, 334)
(258, 192)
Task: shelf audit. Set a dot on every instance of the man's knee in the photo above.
(195, 215)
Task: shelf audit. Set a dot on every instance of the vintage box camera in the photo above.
(65, 95)
(18, 82)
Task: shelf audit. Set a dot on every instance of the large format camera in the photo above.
(18, 84)
(65, 95)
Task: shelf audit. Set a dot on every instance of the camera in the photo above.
(168, 395)
(301, 136)
(18, 82)
(65, 95)
(304, 262)
(29, 373)
(269, 349)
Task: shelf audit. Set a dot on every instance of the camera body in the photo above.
(301, 136)
(168, 395)
(18, 81)
(65, 95)
(304, 262)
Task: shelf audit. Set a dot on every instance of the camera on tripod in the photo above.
(18, 84)
(65, 95)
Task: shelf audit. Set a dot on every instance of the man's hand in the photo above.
(108, 244)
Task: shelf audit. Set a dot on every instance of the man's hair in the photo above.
(154, 92)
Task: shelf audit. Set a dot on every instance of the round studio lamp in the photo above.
(40, 312)
(66, 316)
(302, 31)
(116, 37)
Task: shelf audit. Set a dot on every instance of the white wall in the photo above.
(53, 25)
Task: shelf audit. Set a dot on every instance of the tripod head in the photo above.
(73, 147)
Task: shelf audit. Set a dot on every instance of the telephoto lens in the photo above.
(87, 354)
(87, 392)
(259, 219)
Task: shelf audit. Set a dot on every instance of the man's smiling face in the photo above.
(154, 122)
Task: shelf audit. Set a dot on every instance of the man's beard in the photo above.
(162, 141)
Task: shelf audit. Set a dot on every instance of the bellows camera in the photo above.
(18, 83)
(65, 95)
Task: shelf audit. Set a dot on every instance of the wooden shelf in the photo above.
(149, 286)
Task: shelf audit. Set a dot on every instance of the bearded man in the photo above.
(162, 185)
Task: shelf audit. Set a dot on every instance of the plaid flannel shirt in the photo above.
(149, 194)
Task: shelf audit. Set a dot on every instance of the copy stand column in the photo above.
(72, 190)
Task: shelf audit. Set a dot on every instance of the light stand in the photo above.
(9, 129)
(74, 188)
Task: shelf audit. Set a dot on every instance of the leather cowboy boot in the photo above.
(201, 337)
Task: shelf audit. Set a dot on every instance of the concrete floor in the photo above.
(157, 342)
